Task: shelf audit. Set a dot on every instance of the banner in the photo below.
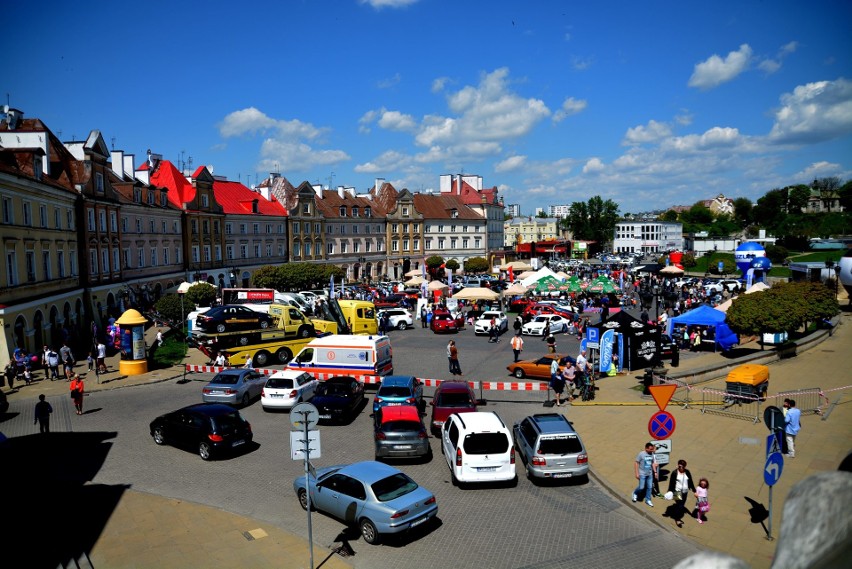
(607, 346)
(450, 278)
(331, 287)
(749, 278)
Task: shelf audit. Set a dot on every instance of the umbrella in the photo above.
(414, 273)
(516, 288)
(414, 281)
(437, 285)
(671, 270)
(574, 284)
(516, 266)
(602, 284)
(476, 293)
(547, 284)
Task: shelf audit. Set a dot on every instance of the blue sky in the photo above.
(649, 104)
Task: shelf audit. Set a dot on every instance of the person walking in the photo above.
(220, 360)
(423, 323)
(557, 383)
(77, 390)
(11, 372)
(453, 356)
(703, 504)
(792, 425)
(42, 414)
(680, 484)
(551, 344)
(53, 364)
(517, 324)
(568, 375)
(517, 345)
(67, 358)
(44, 363)
(159, 338)
(645, 469)
(102, 368)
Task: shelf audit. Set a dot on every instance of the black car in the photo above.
(210, 429)
(232, 317)
(338, 398)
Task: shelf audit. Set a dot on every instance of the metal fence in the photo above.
(738, 406)
(811, 400)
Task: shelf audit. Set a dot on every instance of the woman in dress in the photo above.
(77, 389)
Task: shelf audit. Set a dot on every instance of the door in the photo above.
(341, 496)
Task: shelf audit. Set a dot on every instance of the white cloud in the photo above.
(570, 106)
(814, 112)
(770, 65)
(593, 165)
(439, 84)
(651, 132)
(816, 170)
(684, 118)
(510, 163)
(579, 63)
(296, 156)
(387, 161)
(379, 4)
(253, 121)
(389, 82)
(715, 70)
(394, 120)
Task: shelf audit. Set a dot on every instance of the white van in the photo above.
(345, 355)
(478, 448)
(295, 299)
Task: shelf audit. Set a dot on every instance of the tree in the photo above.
(688, 260)
(669, 216)
(202, 294)
(452, 265)
(698, 214)
(771, 208)
(742, 211)
(476, 265)
(785, 307)
(827, 188)
(592, 221)
(435, 266)
(170, 307)
(797, 198)
(845, 193)
(777, 254)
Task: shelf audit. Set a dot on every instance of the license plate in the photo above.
(418, 522)
(325, 416)
(391, 404)
(487, 468)
(276, 395)
(563, 475)
(402, 447)
(238, 443)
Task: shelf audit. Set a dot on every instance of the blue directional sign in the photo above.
(773, 468)
(773, 443)
(592, 335)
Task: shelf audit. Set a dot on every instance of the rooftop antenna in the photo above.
(113, 142)
(189, 162)
(182, 163)
(331, 181)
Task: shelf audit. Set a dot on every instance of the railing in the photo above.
(739, 405)
(811, 400)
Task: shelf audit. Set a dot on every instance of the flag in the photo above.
(331, 287)
(511, 274)
(606, 349)
(450, 278)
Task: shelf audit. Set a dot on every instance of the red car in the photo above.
(443, 321)
(519, 304)
(389, 301)
(451, 397)
(534, 310)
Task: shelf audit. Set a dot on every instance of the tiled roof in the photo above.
(470, 195)
(441, 206)
(166, 175)
(331, 202)
(235, 198)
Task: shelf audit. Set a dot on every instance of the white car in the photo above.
(545, 324)
(287, 387)
(730, 284)
(483, 323)
(399, 318)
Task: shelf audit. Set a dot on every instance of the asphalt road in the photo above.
(576, 525)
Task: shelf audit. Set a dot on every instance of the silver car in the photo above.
(234, 386)
(550, 447)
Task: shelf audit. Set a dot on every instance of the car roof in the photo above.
(340, 379)
(481, 421)
(288, 374)
(397, 380)
(210, 409)
(369, 471)
(552, 423)
(459, 386)
(399, 413)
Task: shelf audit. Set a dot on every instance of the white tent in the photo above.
(756, 287)
(538, 275)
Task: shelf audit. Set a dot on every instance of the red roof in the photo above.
(166, 175)
(235, 198)
(470, 195)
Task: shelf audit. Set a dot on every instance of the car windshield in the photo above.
(541, 319)
(279, 383)
(393, 391)
(228, 379)
(454, 400)
(331, 389)
(441, 317)
(393, 487)
(401, 426)
(559, 445)
(486, 443)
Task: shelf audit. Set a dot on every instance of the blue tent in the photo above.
(707, 316)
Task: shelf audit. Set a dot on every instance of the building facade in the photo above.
(647, 237)
(529, 229)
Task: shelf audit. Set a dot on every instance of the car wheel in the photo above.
(245, 401)
(283, 355)
(401, 325)
(306, 332)
(261, 359)
(220, 328)
(264, 324)
(303, 499)
(369, 531)
(204, 450)
(519, 373)
(159, 436)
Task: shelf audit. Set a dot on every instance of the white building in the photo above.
(558, 210)
(647, 237)
(513, 210)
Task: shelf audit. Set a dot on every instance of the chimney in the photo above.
(12, 116)
(341, 193)
(117, 158)
(379, 183)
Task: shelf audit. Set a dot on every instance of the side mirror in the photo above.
(481, 402)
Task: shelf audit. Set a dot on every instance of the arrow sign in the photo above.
(661, 425)
(773, 468)
(662, 394)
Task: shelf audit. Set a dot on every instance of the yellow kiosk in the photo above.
(132, 325)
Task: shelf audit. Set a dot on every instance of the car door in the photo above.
(307, 386)
(342, 496)
(449, 438)
(542, 367)
(524, 440)
(256, 381)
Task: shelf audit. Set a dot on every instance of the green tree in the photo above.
(797, 198)
(742, 211)
(777, 254)
(170, 307)
(698, 214)
(202, 294)
(592, 221)
(452, 264)
(434, 266)
(669, 216)
(828, 189)
(771, 208)
(688, 260)
(476, 265)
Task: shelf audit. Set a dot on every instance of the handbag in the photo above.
(704, 507)
(75, 393)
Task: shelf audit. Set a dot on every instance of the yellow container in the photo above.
(749, 374)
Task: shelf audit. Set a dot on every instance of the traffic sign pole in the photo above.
(305, 416)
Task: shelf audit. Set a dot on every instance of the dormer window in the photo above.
(99, 182)
(306, 208)
(343, 211)
(404, 211)
(137, 195)
(205, 200)
(150, 197)
(368, 211)
(354, 211)
(164, 198)
(454, 213)
(37, 167)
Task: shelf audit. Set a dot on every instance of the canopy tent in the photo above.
(671, 270)
(414, 273)
(476, 293)
(706, 316)
(437, 285)
(574, 284)
(524, 275)
(547, 284)
(638, 343)
(414, 281)
(648, 268)
(516, 288)
(756, 287)
(602, 285)
(516, 266)
(538, 275)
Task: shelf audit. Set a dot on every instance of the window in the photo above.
(395, 245)
(207, 253)
(295, 227)
(465, 242)
(329, 229)
(38, 167)
(216, 227)
(453, 228)
(105, 261)
(428, 244)
(205, 227)
(72, 255)
(395, 228)
(318, 228)
(11, 268)
(306, 208)
(205, 201)
(405, 211)
(368, 211)
(453, 242)
(45, 265)
(454, 213)
(138, 225)
(297, 249)
(178, 256)
(269, 249)
(125, 258)
(8, 212)
(343, 230)
(124, 225)
(318, 250)
(329, 249)
(60, 263)
(137, 195)
(153, 257)
(151, 197)
(354, 211)
(99, 182)
(151, 226)
(228, 229)
(307, 249)
(415, 227)
(194, 225)
(140, 258)
(102, 224)
(343, 211)
(195, 254)
(93, 261)
(115, 260)
(243, 252)
(42, 215)
(69, 219)
(165, 255)
(269, 229)
(441, 228)
(29, 260)
(405, 244)
(367, 229)
(229, 252)
(257, 251)
(164, 228)
(368, 246)
(218, 252)
(441, 242)
(477, 242)
(344, 247)
(90, 217)
(356, 247)
(164, 198)
(175, 227)
(256, 228)
(280, 229)
(354, 230)
(416, 245)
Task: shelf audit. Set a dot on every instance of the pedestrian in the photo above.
(67, 358)
(792, 425)
(517, 345)
(557, 383)
(645, 469)
(42, 414)
(28, 375)
(568, 375)
(53, 364)
(680, 484)
(551, 344)
(453, 357)
(220, 360)
(91, 362)
(702, 505)
(583, 365)
(10, 372)
(101, 357)
(77, 389)
(517, 324)
(423, 316)
(44, 363)
(492, 331)
(159, 338)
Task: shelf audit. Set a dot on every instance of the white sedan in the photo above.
(399, 318)
(545, 324)
(287, 387)
(483, 323)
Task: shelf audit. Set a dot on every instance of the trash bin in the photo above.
(660, 375)
(653, 376)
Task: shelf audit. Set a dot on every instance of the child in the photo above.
(703, 505)
(91, 361)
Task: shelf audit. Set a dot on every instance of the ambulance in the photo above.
(345, 355)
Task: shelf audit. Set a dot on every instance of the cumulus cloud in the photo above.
(253, 121)
(570, 106)
(510, 163)
(439, 84)
(816, 170)
(395, 120)
(379, 4)
(593, 165)
(714, 71)
(814, 112)
(387, 161)
(651, 132)
(389, 82)
(296, 156)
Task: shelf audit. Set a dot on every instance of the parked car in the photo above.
(518, 305)
(539, 368)
(399, 433)
(399, 318)
(284, 389)
(375, 497)
(443, 321)
(232, 317)
(533, 310)
(483, 323)
(550, 447)
(388, 301)
(211, 429)
(399, 390)
(233, 386)
(451, 397)
(338, 398)
(545, 324)
(478, 448)
(718, 286)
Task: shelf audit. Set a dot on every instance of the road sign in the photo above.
(773, 418)
(773, 443)
(593, 345)
(662, 425)
(662, 458)
(592, 335)
(663, 446)
(299, 444)
(662, 394)
(773, 468)
(304, 413)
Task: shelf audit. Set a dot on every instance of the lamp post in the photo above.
(657, 297)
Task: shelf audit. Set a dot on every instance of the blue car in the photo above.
(399, 390)
(372, 496)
